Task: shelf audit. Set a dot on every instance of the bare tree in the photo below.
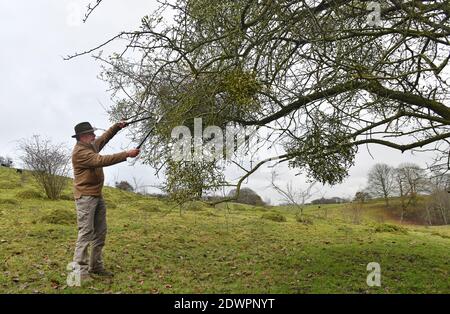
(410, 179)
(317, 75)
(294, 196)
(437, 206)
(414, 178)
(439, 181)
(361, 197)
(381, 181)
(137, 185)
(49, 164)
(354, 210)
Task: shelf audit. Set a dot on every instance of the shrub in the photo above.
(29, 194)
(49, 163)
(440, 235)
(304, 220)
(390, 228)
(60, 216)
(274, 217)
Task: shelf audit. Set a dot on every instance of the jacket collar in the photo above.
(91, 146)
(84, 144)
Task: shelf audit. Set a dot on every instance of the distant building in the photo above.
(6, 162)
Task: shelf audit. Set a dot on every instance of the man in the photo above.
(88, 183)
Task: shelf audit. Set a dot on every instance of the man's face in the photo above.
(87, 138)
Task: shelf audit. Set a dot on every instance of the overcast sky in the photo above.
(43, 94)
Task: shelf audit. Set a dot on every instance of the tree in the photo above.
(381, 181)
(186, 181)
(124, 185)
(296, 197)
(439, 181)
(49, 163)
(437, 207)
(410, 179)
(413, 178)
(356, 206)
(319, 76)
(247, 196)
(361, 197)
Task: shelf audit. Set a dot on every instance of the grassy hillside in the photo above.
(153, 247)
(375, 211)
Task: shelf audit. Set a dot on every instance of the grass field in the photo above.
(154, 247)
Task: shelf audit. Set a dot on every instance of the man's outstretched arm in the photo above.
(102, 140)
(94, 160)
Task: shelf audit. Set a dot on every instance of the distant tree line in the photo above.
(124, 185)
(331, 200)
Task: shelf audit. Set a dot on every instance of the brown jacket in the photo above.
(87, 164)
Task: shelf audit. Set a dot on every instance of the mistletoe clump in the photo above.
(325, 153)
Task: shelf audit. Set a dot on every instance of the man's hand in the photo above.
(122, 124)
(133, 152)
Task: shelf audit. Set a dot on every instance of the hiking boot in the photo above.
(102, 273)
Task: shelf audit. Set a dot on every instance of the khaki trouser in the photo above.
(91, 218)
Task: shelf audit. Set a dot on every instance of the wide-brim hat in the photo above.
(83, 128)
